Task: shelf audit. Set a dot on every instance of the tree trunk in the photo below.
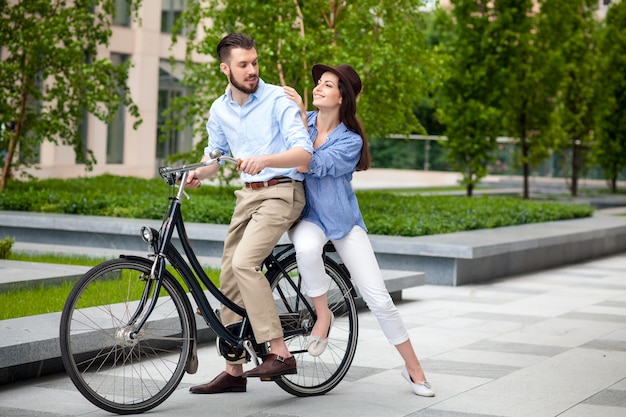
(8, 159)
(525, 169)
(614, 184)
(16, 133)
(575, 167)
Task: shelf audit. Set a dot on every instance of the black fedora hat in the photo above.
(346, 74)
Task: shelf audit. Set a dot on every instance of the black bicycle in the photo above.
(128, 331)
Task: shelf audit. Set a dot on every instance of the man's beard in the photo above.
(243, 88)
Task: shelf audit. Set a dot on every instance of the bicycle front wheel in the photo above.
(113, 368)
(316, 375)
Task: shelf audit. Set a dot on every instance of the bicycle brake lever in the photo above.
(184, 192)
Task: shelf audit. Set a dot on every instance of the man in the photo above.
(259, 125)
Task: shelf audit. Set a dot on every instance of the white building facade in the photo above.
(118, 148)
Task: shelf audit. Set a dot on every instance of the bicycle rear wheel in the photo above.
(115, 371)
(316, 375)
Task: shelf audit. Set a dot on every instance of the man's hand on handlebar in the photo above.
(252, 165)
(192, 180)
(195, 177)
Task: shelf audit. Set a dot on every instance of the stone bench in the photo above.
(484, 255)
(447, 259)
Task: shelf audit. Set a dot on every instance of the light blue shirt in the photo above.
(330, 201)
(268, 123)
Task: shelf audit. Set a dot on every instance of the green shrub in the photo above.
(393, 213)
(400, 213)
(5, 247)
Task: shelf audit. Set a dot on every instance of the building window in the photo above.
(171, 10)
(115, 133)
(122, 13)
(81, 147)
(170, 142)
(30, 150)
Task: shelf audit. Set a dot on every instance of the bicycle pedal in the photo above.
(269, 379)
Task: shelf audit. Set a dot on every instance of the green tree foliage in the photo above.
(573, 28)
(523, 69)
(468, 103)
(526, 81)
(51, 76)
(610, 137)
(381, 40)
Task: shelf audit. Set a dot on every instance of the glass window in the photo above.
(171, 10)
(170, 142)
(115, 132)
(122, 13)
(81, 148)
(30, 150)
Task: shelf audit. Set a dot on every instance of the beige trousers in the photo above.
(260, 218)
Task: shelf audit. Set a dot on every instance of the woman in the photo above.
(332, 212)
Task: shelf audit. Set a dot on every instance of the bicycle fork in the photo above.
(153, 286)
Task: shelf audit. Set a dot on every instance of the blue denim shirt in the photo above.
(268, 123)
(330, 201)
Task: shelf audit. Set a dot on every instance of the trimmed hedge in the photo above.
(403, 213)
(389, 213)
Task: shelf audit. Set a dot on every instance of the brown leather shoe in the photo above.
(224, 382)
(272, 367)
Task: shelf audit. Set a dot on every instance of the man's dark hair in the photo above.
(234, 40)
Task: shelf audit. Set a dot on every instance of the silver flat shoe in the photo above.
(317, 345)
(422, 389)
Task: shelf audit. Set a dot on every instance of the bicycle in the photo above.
(128, 332)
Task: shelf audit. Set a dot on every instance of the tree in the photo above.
(381, 40)
(526, 80)
(51, 76)
(610, 136)
(468, 98)
(572, 25)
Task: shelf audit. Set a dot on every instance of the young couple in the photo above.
(262, 125)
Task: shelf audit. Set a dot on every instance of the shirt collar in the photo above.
(339, 129)
(259, 91)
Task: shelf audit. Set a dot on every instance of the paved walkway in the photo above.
(402, 178)
(546, 344)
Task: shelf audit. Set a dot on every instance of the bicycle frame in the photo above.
(191, 271)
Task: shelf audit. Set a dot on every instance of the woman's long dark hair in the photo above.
(347, 115)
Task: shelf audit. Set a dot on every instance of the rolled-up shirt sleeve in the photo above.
(339, 159)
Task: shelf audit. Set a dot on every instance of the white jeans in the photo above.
(357, 254)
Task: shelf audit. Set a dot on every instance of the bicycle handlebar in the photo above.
(172, 175)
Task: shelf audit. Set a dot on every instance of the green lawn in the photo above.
(50, 298)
